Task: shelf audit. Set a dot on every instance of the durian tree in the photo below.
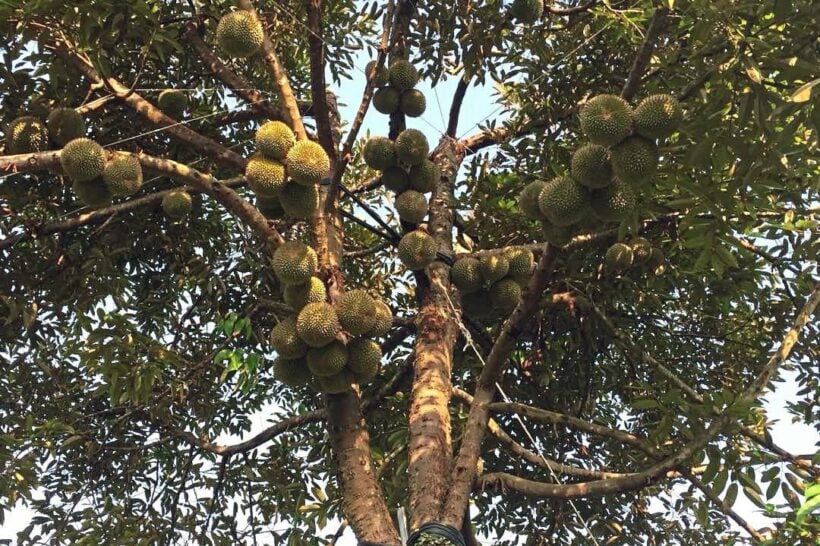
(228, 315)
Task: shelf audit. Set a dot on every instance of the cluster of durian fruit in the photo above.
(637, 252)
(606, 173)
(327, 347)
(491, 286)
(395, 89)
(97, 176)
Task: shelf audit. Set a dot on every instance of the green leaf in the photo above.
(805, 92)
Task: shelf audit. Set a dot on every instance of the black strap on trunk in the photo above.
(451, 534)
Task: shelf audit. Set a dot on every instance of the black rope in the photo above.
(451, 534)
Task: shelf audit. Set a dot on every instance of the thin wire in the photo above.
(469, 339)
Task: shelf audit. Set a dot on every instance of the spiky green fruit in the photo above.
(417, 250)
(413, 104)
(357, 311)
(317, 324)
(381, 77)
(563, 201)
(642, 249)
(557, 235)
(294, 263)
(635, 159)
(466, 275)
(266, 177)
(493, 267)
(505, 295)
(619, 257)
(658, 116)
(177, 204)
(286, 341)
(656, 263)
(384, 320)
(591, 166)
(521, 261)
(411, 206)
(293, 372)
(527, 11)
(613, 203)
(299, 295)
(528, 200)
(299, 201)
(123, 175)
(240, 34)
(337, 384)
(64, 125)
(270, 207)
(424, 176)
(379, 153)
(26, 135)
(474, 305)
(92, 193)
(307, 163)
(396, 179)
(173, 103)
(364, 357)
(327, 360)
(606, 119)
(274, 140)
(412, 147)
(83, 159)
(403, 75)
(386, 100)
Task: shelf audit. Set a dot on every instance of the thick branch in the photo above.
(455, 107)
(656, 25)
(318, 88)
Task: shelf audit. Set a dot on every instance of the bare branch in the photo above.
(455, 107)
(656, 26)
(317, 78)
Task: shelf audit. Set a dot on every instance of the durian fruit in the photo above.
(658, 116)
(266, 177)
(364, 359)
(26, 135)
(173, 103)
(466, 275)
(395, 179)
(285, 341)
(92, 193)
(591, 166)
(635, 159)
(379, 153)
(337, 384)
(299, 201)
(386, 100)
(563, 201)
(357, 311)
(64, 125)
(317, 324)
(270, 207)
(642, 249)
(177, 204)
(619, 257)
(327, 360)
(474, 305)
(403, 75)
(381, 77)
(412, 147)
(505, 295)
(83, 159)
(528, 200)
(424, 176)
(240, 34)
(413, 103)
(557, 235)
(299, 295)
(656, 263)
(521, 261)
(294, 263)
(527, 11)
(493, 267)
(274, 140)
(613, 203)
(293, 372)
(123, 175)
(307, 163)
(606, 119)
(384, 320)
(417, 250)
(411, 206)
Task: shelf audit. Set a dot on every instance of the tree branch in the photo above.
(318, 88)
(455, 106)
(656, 26)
